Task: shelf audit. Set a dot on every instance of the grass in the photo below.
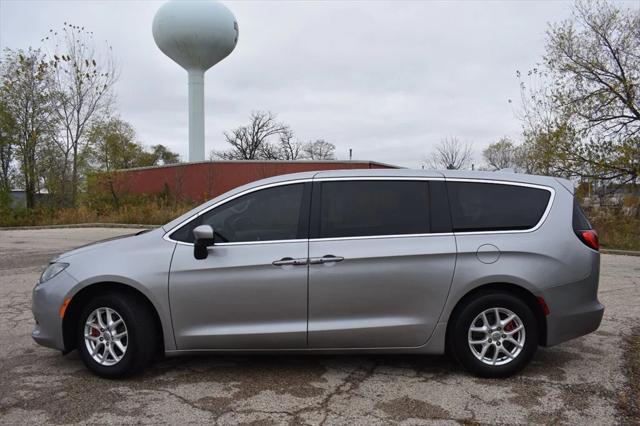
(618, 232)
(146, 214)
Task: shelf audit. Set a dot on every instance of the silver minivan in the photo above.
(484, 266)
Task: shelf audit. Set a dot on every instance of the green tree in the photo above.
(112, 146)
(8, 137)
(501, 154)
(27, 96)
(584, 119)
(164, 155)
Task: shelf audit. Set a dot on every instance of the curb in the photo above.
(620, 252)
(79, 225)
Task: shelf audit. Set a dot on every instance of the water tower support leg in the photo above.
(196, 116)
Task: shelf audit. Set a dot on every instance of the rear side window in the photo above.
(495, 207)
(369, 208)
(580, 221)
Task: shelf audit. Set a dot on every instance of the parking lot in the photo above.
(585, 381)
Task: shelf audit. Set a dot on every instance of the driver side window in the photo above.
(263, 215)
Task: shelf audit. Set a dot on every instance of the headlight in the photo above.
(52, 270)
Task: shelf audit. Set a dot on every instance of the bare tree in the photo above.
(84, 78)
(252, 142)
(450, 153)
(290, 148)
(319, 150)
(27, 96)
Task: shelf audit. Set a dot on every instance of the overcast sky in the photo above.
(388, 79)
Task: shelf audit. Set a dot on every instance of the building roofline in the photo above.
(377, 163)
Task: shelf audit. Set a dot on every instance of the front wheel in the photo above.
(116, 335)
(494, 335)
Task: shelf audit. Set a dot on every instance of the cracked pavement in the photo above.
(578, 382)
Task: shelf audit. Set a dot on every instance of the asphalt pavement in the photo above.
(584, 381)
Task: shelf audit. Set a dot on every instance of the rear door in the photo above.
(381, 257)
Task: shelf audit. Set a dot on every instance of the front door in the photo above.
(251, 290)
(381, 263)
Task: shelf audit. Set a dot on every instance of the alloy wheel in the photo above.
(496, 336)
(105, 336)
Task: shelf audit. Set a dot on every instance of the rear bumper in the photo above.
(574, 310)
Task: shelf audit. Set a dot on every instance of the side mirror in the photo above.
(203, 238)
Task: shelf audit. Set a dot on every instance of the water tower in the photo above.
(197, 34)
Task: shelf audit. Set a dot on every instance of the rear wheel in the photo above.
(494, 335)
(116, 335)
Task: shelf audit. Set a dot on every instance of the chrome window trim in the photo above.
(551, 190)
(329, 179)
(376, 237)
(167, 234)
(543, 218)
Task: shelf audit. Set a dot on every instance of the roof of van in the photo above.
(447, 174)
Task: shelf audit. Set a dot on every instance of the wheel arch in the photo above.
(74, 310)
(502, 287)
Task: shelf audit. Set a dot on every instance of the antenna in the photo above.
(196, 34)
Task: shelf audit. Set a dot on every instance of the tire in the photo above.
(133, 327)
(518, 337)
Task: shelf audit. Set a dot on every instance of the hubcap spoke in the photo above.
(485, 321)
(485, 348)
(109, 318)
(98, 313)
(94, 352)
(514, 331)
(516, 344)
(491, 343)
(510, 318)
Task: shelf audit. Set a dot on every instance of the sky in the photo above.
(386, 79)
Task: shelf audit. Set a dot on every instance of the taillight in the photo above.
(590, 238)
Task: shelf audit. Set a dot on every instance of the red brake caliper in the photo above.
(509, 326)
(95, 332)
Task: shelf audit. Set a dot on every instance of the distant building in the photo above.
(19, 198)
(201, 181)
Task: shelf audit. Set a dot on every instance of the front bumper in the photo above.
(47, 299)
(574, 310)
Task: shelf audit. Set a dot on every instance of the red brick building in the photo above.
(205, 180)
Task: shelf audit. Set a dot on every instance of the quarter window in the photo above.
(264, 215)
(495, 207)
(369, 208)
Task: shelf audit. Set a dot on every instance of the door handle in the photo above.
(329, 258)
(289, 261)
